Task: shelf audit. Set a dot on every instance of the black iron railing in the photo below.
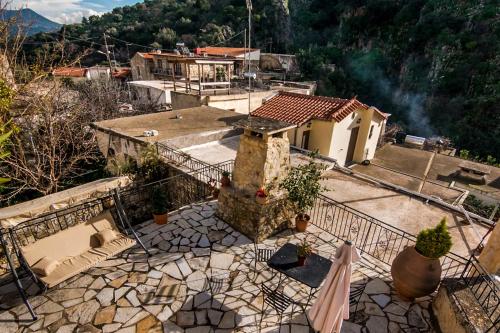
(180, 159)
(370, 235)
(181, 190)
(486, 290)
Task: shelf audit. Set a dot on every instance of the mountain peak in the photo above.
(34, 22)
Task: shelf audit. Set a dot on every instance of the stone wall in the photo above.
(260, 162)
(254, 220)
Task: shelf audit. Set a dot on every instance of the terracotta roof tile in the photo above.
(69, 71)
(299, 108)
(223, 51)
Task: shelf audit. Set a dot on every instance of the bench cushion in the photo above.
(84, 261)
(45, 266)
(76, 248)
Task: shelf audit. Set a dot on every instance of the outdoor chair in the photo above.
(277, 300)
(262, 255)
(355, 296)
(220, 283)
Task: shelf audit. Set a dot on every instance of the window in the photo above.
(371, 132)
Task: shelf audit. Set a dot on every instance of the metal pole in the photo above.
(249, 52)
(17, 281)
(107, 52)
(244, 48)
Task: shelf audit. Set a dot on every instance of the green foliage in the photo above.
(152, 167)
(159, 201)
(464, 154)
(304, 249)
(434, 243)
(479, 207)
(303, 185)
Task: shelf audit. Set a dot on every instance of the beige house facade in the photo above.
(345, 130)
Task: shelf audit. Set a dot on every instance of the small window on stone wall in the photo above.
(371, 132)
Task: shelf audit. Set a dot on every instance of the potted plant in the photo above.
(225, 181)
(416, 271)
(304, 250)
(160, 206)
(212, 183)
(303, 186)
(261, 196)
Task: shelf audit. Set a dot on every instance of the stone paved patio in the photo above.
(168, 291)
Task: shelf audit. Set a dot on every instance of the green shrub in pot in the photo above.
(160, 205)
(416, 271)
(434, 243)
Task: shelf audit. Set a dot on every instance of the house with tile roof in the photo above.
(344, 129)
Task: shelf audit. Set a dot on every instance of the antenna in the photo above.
(249, 7)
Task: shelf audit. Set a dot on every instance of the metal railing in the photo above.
(370, 235)
(485, 289)
(181, 159)
(181, 190)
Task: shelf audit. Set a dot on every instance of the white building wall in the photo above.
(341, 136)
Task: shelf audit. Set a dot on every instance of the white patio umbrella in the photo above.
(332, 305)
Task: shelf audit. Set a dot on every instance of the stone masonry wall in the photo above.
(254, 220)
(259, 162)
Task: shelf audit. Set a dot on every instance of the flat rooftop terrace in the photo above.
(134, 293)
(397, 209)
(172, 124)
(406, 167)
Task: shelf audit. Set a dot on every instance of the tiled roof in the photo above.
(299, 108)
(223, 51)
(69, 71)
(121, 73)
(145, 55)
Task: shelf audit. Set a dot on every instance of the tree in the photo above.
(54, 145)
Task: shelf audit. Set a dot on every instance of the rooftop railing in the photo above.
(370, 235)
(486, 290)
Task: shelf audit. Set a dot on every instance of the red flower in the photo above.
(261, 193)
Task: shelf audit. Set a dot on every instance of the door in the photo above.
(305, 139)
(352, 145)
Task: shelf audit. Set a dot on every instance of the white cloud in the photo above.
(61, 11)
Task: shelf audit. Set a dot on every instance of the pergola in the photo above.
(209, 74)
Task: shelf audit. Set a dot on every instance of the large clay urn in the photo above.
(415, 275)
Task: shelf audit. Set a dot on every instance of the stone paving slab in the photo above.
(200, 279)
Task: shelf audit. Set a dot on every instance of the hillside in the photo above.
(30, 19)
(432, 64)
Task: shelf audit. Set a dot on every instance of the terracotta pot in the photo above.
(301, 261)
(415, 275)
(108, 203)
(225, 181)
(301, 221)
(261, 200)
(160, 218)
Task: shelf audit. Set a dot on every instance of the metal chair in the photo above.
(355, 296)
(277, 300)
(219, 284)
(262, 255)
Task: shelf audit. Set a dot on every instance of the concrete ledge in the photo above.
(457, 311)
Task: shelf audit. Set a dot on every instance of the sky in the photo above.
(70, 11)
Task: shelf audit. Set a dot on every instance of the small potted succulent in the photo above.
(160, 206)
(304, 250)
(225, 181)
(416, 271)
(261, 196)
(303, 186)
(212, 183)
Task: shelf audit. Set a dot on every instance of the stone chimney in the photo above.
(262, 161)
